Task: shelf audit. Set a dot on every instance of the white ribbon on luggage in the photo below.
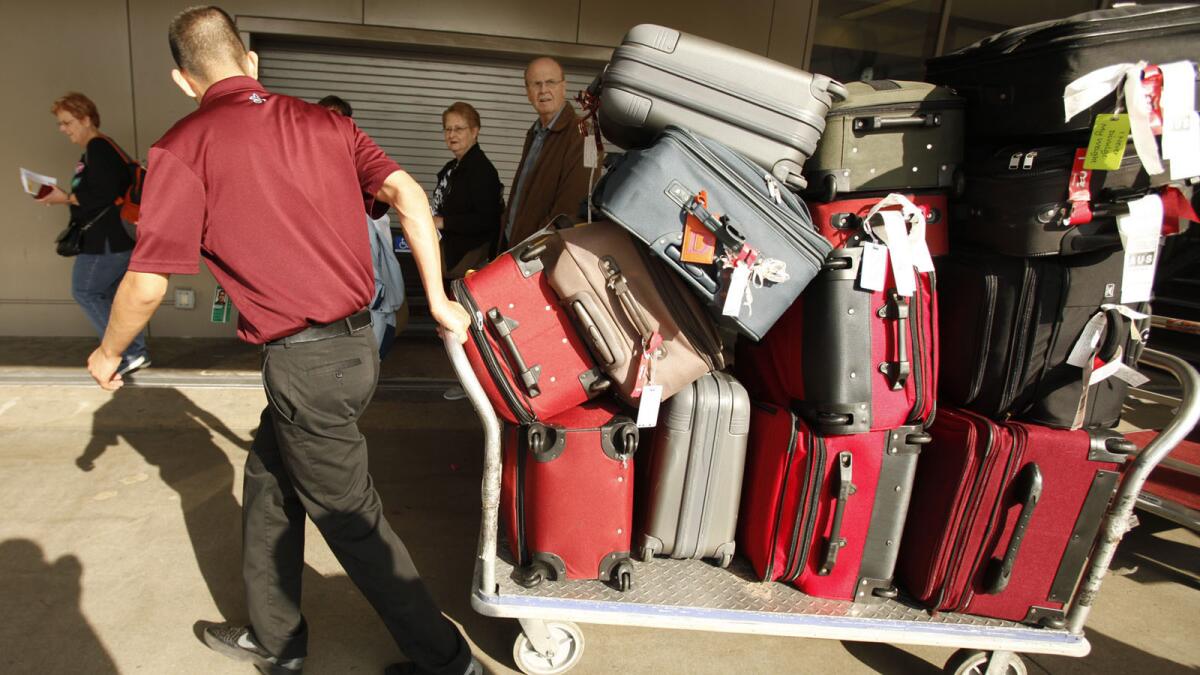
(1089, 89)
(903, 232)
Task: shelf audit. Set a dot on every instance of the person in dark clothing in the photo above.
(468, 201)
(101, 177)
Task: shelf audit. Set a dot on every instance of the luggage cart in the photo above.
(694, 595)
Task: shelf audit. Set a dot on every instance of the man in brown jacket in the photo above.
(551, 178)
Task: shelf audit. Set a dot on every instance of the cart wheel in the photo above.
(622, 576)
(975, 662)
(569, 649)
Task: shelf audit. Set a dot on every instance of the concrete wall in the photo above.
(115, 51)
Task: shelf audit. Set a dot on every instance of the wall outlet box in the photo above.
(185, 298)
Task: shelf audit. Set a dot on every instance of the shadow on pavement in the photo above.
(42, 628)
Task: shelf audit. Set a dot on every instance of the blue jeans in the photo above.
(94, 281)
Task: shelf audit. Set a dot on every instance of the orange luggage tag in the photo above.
(699, 243)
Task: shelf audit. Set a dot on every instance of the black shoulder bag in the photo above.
(69, 242)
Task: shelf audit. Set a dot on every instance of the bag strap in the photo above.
(124, 157)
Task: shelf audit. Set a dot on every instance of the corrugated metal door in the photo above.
(398, 98)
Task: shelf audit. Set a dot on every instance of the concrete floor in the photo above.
(119, 529)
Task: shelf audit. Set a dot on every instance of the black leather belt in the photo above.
(351, 324)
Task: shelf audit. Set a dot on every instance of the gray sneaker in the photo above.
(238, 643)
(454, 393)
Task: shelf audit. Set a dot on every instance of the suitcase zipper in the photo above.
(962, 533)
(997, 508)
(787, 471)
(766, 206)
(522, 461)
(1020, 338)
(989, 316)
(918, 373)
(802, 537)
(707, 344)
(490, 361)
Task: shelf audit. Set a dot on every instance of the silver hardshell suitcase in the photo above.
(694, 481)
(770, 112)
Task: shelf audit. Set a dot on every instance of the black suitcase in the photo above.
(1008, 325)
(772, 113)
(1017, 201)
(652, 192)
(1014, 81)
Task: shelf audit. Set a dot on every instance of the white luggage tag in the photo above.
(1140, 231)
(906, 247)
(1089, 89)
(739, 282)
(1181, 123)
(651, 399)
(873, 268)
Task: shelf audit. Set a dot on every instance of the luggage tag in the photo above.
(1079, 185)
(895, 237)
(1140, 230)
(591, 143)
(651, 399)
(1106, 147)
(699, 242)
(1139, 94)
(645, 371)
(739, 283)
(1180, 121)
(873, 270)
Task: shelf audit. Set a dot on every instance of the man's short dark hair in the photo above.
(337, 104)
(204, 37)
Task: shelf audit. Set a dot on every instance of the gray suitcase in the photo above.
(651, 191)
(694, 482)
(889, 135)
(770, 112)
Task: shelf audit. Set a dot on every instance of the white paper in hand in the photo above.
(32, 181)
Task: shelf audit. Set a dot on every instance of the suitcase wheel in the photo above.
(828, 190)
(726, 558)
(534, 574)
(1120, 446)
(833, 419)
(919, 438)
(622, 576)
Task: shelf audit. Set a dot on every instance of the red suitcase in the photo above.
(826, 514)
(840, 220)
(567, 495)
(856, 360)
(1004, 515)
(527, 354)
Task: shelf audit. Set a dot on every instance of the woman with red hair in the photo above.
(101, 177)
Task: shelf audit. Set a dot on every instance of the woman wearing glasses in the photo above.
(468, 199)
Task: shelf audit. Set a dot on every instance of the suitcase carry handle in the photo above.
(729, 236)
(999, 572)
(879, 123)
(603, 341)
(504, 327)
(898, 370)
(695, 271)
(845, 488)
(618, 284)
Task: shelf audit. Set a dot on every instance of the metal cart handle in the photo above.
(1120, 515)
(485, 560)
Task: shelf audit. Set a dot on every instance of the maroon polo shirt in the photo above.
(269, 191)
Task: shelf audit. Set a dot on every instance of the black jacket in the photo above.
(100, 178)
(471, 205)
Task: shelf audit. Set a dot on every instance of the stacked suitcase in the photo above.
(861, 336)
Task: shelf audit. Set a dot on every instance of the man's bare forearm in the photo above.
(404, 193)
(139, 294)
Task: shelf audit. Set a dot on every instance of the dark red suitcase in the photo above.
(567, 495)
(1004, 515)
(825, 514)
(856, 360)
(840, 220)
(527, 354)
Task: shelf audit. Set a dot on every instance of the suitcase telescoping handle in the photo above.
(504, 327)
(879, 123)
(898, 370)
(1029, 486)
(618, 284)
(845, 488)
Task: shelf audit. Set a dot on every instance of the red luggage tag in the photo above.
(1079, 188)
(649, 353)
(1152, 85)
(699, 243)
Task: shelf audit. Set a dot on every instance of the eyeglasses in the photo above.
(548, 84)
(454, 130)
